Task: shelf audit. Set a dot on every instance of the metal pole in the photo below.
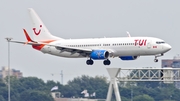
(62, 77)
(131, 93)
(110, 91)
(132, 84)
(116, 90)
(9, 96)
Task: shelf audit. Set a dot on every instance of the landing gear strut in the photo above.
(156, 60)
(89, 62)
(107, 62)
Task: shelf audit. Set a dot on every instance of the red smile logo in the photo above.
(37, 33)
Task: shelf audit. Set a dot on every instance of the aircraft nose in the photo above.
(167, 47)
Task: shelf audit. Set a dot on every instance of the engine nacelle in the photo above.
(128, 57)
(99, 54)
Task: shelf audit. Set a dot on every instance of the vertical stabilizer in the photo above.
(40, 32)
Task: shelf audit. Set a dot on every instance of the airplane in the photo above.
(125, 48)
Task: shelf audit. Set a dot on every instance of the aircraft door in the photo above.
(148, 44)
(49, 49)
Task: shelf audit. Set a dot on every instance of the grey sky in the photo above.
(84, 19)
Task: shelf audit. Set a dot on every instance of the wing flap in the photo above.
(72, 49)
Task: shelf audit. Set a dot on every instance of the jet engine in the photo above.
(128, 57)
(99, 54)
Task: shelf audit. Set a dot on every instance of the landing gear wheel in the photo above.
(155, 60)
(106, 62)
(89, 62)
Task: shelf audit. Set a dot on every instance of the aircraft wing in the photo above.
(29, 43)
(73, 50)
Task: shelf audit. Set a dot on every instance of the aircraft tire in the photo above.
(155, 60)
(107, 62)
(89, 62)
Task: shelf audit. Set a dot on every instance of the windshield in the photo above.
(160, 42)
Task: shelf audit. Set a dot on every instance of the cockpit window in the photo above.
(160, 42)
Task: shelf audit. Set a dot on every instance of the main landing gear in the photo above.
(105, 62)
(156, 60)
(89, 62)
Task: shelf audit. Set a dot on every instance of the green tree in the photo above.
(4, 92)
(168, 100)
(34, 95)
(175, 95)
(77, 85)
(32, 83)
(27, 87)
(2, 98)
(143, 98)
(125, 92)
(125, 99)
(22, 85)
(2, 84)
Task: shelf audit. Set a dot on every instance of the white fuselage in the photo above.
(121, 46)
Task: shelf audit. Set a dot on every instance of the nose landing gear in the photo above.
(156, 60)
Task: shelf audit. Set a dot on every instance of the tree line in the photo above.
(35, 89)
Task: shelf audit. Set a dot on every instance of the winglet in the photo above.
(27, 36)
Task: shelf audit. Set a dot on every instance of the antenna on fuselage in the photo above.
(128, 34)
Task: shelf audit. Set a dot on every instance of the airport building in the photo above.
(172, 63)
(13, 72)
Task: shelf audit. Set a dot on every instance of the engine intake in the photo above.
(128, 57)
(99, 54)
